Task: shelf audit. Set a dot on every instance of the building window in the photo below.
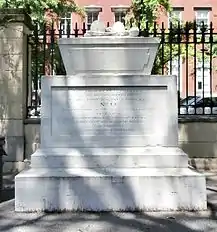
(119, 13)
(175, 15)
(91, 17)
(65, 22)
(175, 68)
(120, 17)
(202, 16)
(203, 78)
(92, 14)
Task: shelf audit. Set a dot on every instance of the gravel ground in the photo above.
(108, 222)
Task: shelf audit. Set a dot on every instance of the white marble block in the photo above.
(108, 143)
(109, 55)
(109, 111)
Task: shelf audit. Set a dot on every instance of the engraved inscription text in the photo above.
(106, 111)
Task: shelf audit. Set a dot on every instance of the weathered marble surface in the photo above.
(109, 111)
(109, 135)
(109, 55)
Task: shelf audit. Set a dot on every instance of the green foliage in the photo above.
(143, 11)
(42, 12)
(177, 42)
(40, 9)
(186, 42)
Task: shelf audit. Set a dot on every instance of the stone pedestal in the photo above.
(109, 143)
(109, 135)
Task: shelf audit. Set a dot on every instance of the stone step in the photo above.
(150, 189)
(161, 157)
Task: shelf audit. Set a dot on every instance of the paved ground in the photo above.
(109, 222)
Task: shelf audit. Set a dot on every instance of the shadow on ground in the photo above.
(86, 222)
(7, 194)
(108, 222)
(8, 189)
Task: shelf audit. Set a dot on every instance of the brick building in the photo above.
(190, 82)
(111, 11)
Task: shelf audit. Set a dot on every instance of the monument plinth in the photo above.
(109, 135)
(109, 55)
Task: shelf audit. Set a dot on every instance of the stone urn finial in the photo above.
(98, 28)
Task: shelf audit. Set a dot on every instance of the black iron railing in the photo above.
(188, 51)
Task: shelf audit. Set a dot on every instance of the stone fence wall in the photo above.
(197, 137)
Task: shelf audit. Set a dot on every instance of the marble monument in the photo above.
(109, 133)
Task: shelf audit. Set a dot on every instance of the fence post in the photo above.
(16, 25)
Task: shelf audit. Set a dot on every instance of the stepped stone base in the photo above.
(135, 157)
(109, 144)
(109, 189)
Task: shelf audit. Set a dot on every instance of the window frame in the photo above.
(175, 9)
(92, 10)
(119, 9)
(198, 10)
(64, 32)
(178, 60)
(203, 67)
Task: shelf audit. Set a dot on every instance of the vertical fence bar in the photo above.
(195, 60)
(170, 47)
(147, 30)
(140, 18)
(162, 46)
(155, 29)
(52, 47)
(210, 61)
(36, 69)
(68, 28)
(203, 63)
(179, 41)
(84, 29)
(44, 48)
(186, 58)
(60, 30)
(30, 76)
(76, 30)
(60, 68)
(27, 80)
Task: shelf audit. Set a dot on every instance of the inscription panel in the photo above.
(105, 116)
(108, 59)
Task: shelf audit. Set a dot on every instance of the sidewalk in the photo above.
(108, 222)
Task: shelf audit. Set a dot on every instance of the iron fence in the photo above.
(188, 51)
